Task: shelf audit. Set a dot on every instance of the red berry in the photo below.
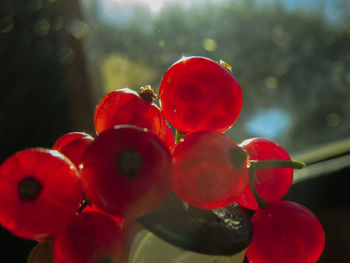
(127, 171)
(286, 232)
(126, 106)
(169, 138)
(90, 238)
(94, 208)
(40, 192)
(73, 145)
(273, 183)
(209, 169)
(197, 93)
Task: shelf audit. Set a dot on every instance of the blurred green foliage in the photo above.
(287, 59)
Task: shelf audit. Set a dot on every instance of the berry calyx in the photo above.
(147, 93)
(129, 163)
(29, 188)
(197, 93)
(225, 65)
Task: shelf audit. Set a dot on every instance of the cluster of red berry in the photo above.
(83, 193)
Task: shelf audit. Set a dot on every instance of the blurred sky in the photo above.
(329, 7)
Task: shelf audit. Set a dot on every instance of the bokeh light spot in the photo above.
(78, 28)
(41, 27)
(6, 24)
(333, 119)
(120, 72)
(271, 83)
(65, 55)
(269, 123)
(57, 23)
(35, 5)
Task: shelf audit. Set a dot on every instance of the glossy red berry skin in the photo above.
(125, 106)
(91, 237)
(273, 183)
(40, 192)
(73, 145)
(169, 138)
(197, 93)
(209, 170)
(286, 232)
(127, 171)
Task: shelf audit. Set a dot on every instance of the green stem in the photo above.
(178, 135)
(252, 178)
(270, 164)
(267, 164)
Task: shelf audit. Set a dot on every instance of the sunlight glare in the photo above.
(154, 5)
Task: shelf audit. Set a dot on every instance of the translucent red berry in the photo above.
(127, 171)
(92, 207)
(73, 145)
(209, 169)
(197, 93)
(286, 232)
(40, 192)
(169, 138)
(91, 237)
(126, 106)
(273, 183)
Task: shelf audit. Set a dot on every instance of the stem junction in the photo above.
(267, 164)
